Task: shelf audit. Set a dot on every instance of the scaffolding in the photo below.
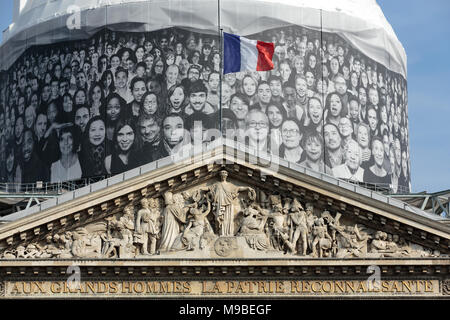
(437, 203)
(15, 197)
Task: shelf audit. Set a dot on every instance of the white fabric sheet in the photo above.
(361, 22)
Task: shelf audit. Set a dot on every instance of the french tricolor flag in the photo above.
(242, 54)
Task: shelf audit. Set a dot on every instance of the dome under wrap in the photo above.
(361, 22)
(346, 53)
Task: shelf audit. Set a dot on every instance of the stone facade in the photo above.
(198, 224)
(219, 218)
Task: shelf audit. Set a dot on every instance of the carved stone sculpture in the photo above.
(279, 230)
(322, 241)
(350, 242)
(126, 225)
(217, 220)
(111, 243)
(223, 195)
(173, 216)
(9, 254)
(49, 250)
(252, 227)
(224, 246)
(382, 247)
(334, 227)
(310, 219)
(446, 287)
(85, 245)
(299, 227)
(64, 242)
(198, 225)
(147, 226)
(118, 238)
(20, 253)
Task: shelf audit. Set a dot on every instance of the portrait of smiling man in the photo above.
(198, 96)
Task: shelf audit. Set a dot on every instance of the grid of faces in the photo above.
(119, 100)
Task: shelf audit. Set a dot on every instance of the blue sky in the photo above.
(423, 27)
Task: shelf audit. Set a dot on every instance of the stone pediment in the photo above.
(220, 206)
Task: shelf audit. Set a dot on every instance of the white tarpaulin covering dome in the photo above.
(361, 22)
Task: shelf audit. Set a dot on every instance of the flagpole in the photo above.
(323, 96)
(221, 65)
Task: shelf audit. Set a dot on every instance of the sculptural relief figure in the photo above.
(382, 247)
(263, 199)
(351, 242)
(400, 245)
(224, 246)
(22, 252)
(396, 244)
(299, 227)
(64, 242)
(378, 246)
(48, 250)
(85, 245)
(310, 219)
(322, 240)
(173, 216)
(198, 225)
(56, 246)
(118, 239)
(278, 228)
(9, 254)
(126, 225)
(111, 243)
(34, 251)
(223, 195)
(252, 227)
(147, 226)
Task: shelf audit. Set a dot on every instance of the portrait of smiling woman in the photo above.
(68, 166)
(376, 173)
(40, 128)
(13, 170)
(277, 115)
(93, 150)
(239, 106)
(96, 99)
(313, 146)
(315, 116)
(176, 99)
(249, 85)
(291, 137)
(150, 105)
(334, 110)
(123, 157)
(115, 109)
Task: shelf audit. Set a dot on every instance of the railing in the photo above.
(380, 192)
(46, 188)
(384, 188)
